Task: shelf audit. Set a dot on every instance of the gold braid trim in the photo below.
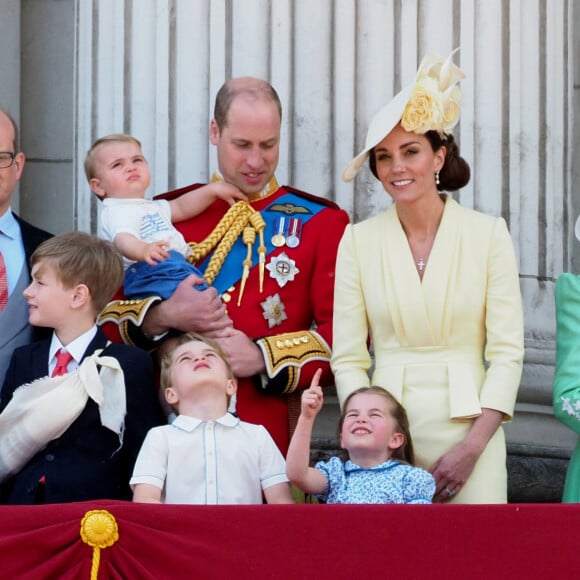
(202, 249)
(223, 236)
(293, 377)
(248, 237)
(291, 351)
(259, 224)
(125, 312)
(223, 249)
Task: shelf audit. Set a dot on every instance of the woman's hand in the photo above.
(453, 469)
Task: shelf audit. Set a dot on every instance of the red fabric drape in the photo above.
(302, 541)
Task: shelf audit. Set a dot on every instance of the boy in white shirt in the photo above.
(207, 455)
(154, 252)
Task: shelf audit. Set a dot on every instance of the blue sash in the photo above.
(231, 271)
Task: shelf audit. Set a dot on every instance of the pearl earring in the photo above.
(437, 178)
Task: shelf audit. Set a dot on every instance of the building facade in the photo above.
(74, 70)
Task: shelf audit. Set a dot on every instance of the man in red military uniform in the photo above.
(270, 302)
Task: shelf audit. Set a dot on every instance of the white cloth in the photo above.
(226, 461)
(44, 409)
(148, 220)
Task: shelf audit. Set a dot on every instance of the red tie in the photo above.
(3, 284)
(63, 357)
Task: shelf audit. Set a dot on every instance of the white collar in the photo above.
(126, 201)
(76, 348)
(187, 423)
(8, 225)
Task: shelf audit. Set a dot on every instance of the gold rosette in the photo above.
(99, 530)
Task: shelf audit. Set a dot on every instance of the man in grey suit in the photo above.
(18, 239)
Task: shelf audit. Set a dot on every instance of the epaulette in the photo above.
(177, 192)
(312, 197)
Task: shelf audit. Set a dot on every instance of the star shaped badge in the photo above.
(274, 310)
(283, 269)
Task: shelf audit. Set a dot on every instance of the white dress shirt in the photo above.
(76, 348)
(226, 461)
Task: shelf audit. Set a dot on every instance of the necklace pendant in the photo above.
(421, 264)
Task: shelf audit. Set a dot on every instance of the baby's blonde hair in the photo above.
(90, 159)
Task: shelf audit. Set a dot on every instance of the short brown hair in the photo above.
(167, 357)
(80, 258)
(403, 453)
(113, 138)
(250, 88)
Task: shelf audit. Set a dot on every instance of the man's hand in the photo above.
(189, 310)
(244, 355)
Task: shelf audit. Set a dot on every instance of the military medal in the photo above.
(278, 238)
(294, 233)
(274, 310)
(282, 269)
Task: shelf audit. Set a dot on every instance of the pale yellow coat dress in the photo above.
(445, 346)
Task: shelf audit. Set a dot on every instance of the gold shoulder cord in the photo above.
(239, 217)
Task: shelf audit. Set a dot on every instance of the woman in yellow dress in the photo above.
(435, 287)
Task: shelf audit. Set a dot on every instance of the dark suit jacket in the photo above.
(85, 462)
(32, 237)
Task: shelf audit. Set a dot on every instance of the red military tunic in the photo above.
(291, 319)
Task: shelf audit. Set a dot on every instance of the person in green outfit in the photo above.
(566, 391)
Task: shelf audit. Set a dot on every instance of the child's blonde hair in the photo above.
(403, 453)
(167, 357)
(79, 258)
(90, 159)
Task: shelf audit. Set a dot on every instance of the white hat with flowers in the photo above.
(430, 103)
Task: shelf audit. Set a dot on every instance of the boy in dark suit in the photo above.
(74, 434)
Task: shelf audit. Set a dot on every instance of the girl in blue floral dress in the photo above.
(374, 431)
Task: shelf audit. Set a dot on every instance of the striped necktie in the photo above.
(3, 284)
